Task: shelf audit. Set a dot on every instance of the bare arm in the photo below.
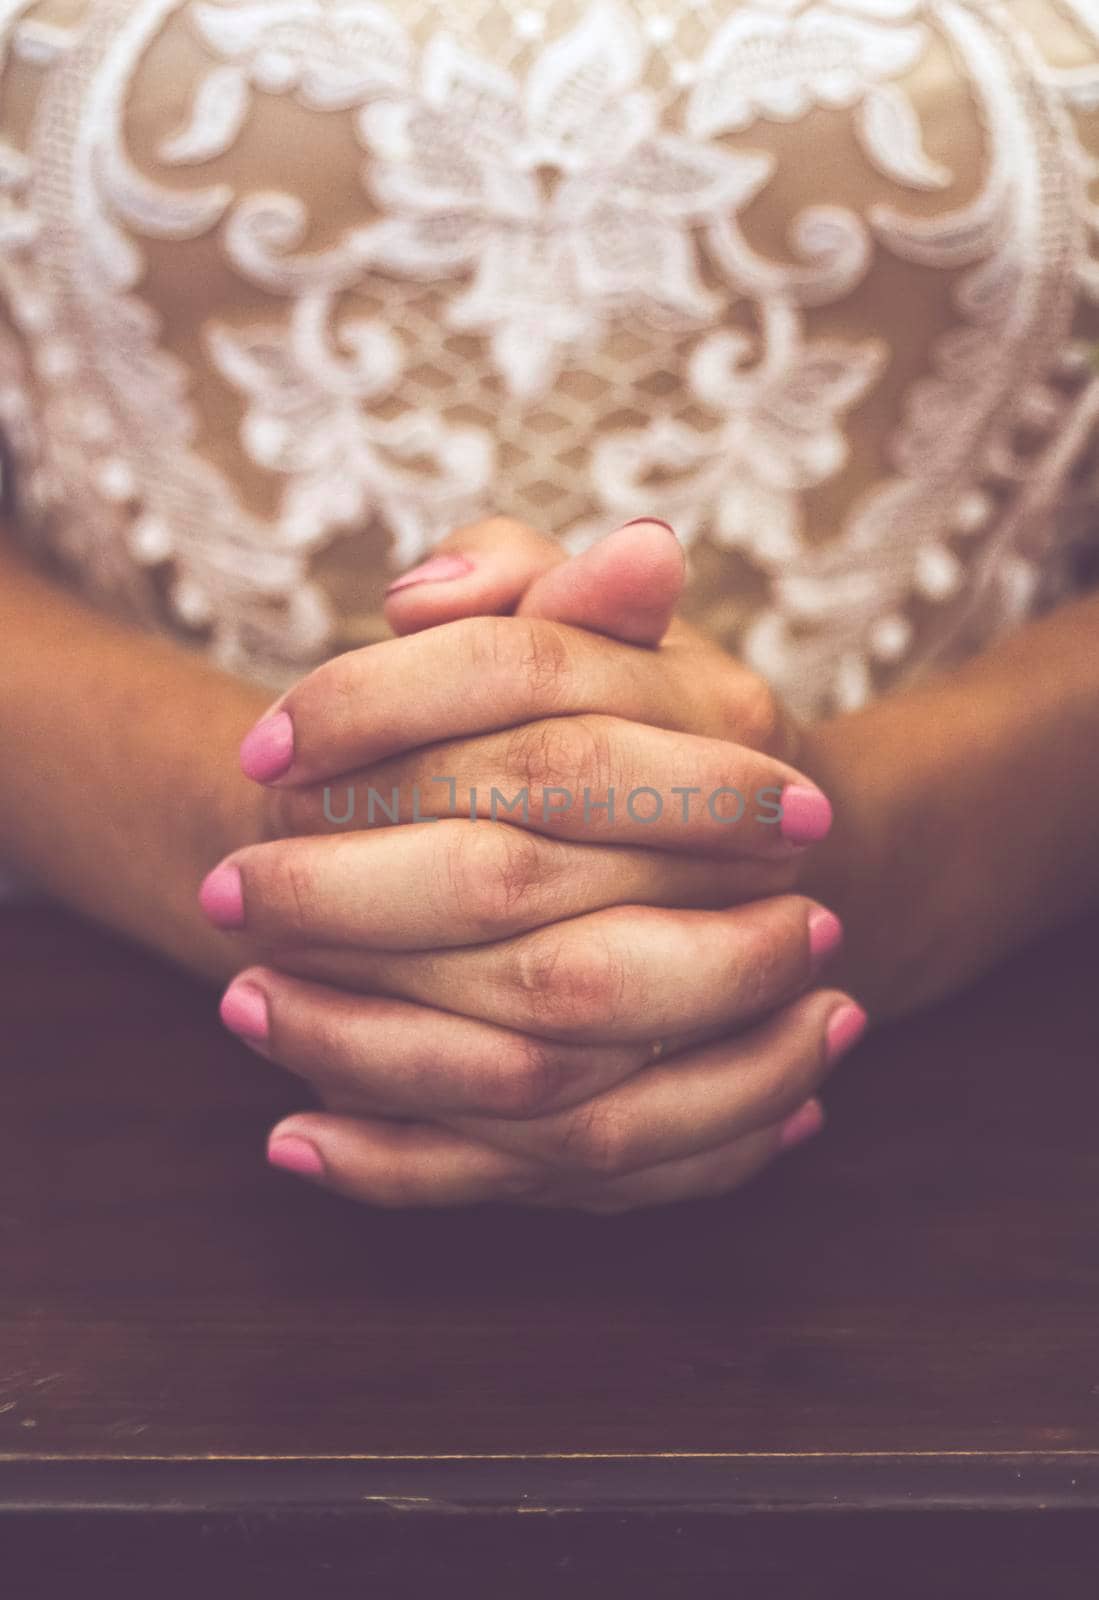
(967, 812)
(119, 780)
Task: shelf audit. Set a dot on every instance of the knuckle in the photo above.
(484, 644)
(571, 983)
(523, 651)
(491, 872)
(295, 891)
(516, 871)
(598, 1142)
(540, 754)
(530, 1080)
(570, 753)
(592, 756)
(332, 691)
(542, 661)
(535, 972)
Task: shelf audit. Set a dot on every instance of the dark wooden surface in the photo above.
(875, 1371)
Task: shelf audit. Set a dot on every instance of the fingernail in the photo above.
(806, 814)
(294, 1154)
(658, 520)
(244, 1010)
(825, 937)
(803, 1125)
(222, 897)
(845, 1028)
(440, 569)
(268, 750)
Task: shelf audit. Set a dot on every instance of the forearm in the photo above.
(965, 812)
(119, 786)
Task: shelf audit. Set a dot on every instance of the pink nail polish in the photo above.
(267, 751)
(440, 569)
(295, 1154)
(244, 1010)
(846, 1027)
(658, 520)
(806, 814)
(803, 1125)
(222, 896)
(825, 937)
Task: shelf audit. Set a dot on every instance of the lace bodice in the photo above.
(294, 287)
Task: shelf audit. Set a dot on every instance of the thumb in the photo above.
(481, 570)
(627, 586)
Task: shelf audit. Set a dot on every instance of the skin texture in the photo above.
(358, 1157)
(963, 825)
(120, 785)
(547, 1034)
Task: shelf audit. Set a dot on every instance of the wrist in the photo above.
(876, 867)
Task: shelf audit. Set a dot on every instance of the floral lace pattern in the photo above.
(294, 287)
(548, 269)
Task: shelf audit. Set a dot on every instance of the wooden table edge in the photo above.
(730, 1483)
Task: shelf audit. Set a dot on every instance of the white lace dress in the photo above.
(290, 288)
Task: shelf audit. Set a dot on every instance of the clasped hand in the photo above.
(581, 1005)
